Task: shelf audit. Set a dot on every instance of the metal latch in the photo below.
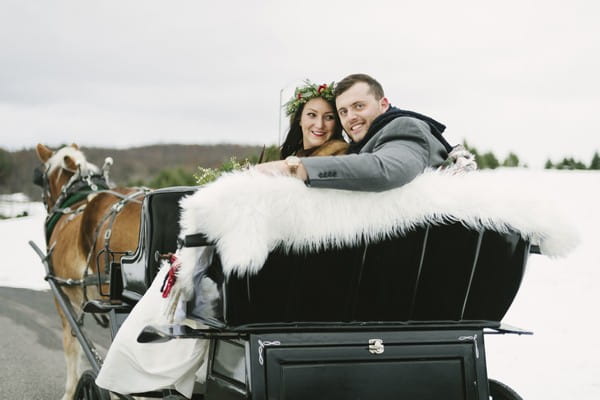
(376, 346)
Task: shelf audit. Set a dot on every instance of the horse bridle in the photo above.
(40, 178)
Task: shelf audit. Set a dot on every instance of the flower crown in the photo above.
(310, 90)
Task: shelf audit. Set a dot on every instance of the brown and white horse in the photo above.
(81, 209)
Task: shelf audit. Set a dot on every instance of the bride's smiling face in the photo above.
(317, 122)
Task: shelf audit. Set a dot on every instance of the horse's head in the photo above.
(59, 169)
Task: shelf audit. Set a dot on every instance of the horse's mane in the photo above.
(58, 160)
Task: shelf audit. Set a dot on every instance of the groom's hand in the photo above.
(281, 168)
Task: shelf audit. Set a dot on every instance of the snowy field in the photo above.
(12, 205)
(558, 300)
(24, 268)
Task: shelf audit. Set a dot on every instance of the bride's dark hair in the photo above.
(293, 141)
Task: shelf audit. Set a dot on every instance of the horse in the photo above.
(88, 222)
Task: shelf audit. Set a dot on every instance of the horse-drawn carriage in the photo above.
(400, 317)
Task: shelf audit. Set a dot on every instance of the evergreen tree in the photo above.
(488, 160)
(570, 163)
(579, 165)
(511, 160)
(595, 164)
(549, 164)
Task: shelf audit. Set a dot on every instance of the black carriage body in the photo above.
(408, 364)
(433, 273)
(306, 326)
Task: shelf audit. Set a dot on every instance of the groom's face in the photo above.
(357, 108)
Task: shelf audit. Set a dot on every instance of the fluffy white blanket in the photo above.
(248, 214)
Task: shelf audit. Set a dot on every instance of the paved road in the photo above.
(32, 365)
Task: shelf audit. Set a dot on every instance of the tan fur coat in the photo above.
(333, 147)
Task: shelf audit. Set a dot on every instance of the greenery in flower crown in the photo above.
(310, 90)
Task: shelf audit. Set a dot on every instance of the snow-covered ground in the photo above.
(15, 204)
(559, 299)
(21, 266)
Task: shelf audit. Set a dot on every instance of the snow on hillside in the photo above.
(558, 300)
(21, 266)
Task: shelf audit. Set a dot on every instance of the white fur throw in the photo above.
(248, 214)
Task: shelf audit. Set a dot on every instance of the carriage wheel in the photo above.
(500, 391)
(87, 389)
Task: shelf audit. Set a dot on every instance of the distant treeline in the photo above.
(176, 165)
(488, 160)
(152, 166)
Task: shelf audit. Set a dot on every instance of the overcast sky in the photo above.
(516, 75)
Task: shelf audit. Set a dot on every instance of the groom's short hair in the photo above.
(374, 87)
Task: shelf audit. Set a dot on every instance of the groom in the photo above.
(389, 148)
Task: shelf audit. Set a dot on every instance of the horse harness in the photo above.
(77, 189)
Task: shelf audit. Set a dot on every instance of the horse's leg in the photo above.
(68, 262)
(72, 350)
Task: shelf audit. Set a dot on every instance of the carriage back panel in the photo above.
(433, 273)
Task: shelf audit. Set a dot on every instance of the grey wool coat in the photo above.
(394, 156)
